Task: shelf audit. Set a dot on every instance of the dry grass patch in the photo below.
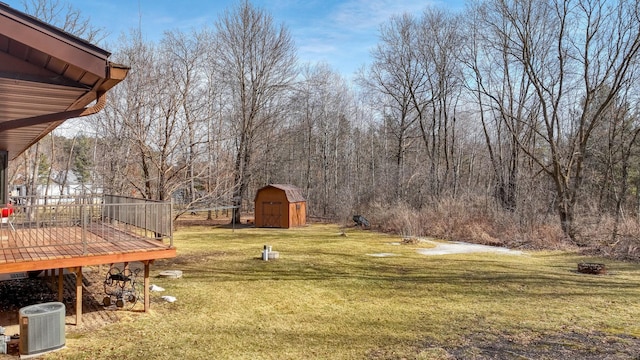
(326, 298)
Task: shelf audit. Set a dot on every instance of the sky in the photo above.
(340, 33)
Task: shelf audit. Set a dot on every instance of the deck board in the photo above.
(63, 247)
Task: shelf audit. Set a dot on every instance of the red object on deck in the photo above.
(7, 211)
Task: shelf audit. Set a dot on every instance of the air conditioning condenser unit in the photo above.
(42, 328)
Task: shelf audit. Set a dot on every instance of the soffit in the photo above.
(45, 75)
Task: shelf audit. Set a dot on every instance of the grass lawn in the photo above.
(327, 298)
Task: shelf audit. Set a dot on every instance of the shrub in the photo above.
(472, 219)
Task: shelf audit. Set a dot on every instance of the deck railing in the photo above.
(84, 219)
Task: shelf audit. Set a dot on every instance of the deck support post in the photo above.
(78, 295)
(147, 301)
(60, 285)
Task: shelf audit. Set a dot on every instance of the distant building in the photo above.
(56, 188)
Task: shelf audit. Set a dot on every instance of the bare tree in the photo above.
(142, 125)
(504, 95)
(197, 98)
(158, 124)
(611, 162)
(397, 82)
(255, 62)
(66, 17)
(416, 80)
(577, 57)
(317, 139)
(440, 41)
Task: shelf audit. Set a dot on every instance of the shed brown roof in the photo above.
(293, 193)
(46, 77)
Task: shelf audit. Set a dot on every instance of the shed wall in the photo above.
(297, 214)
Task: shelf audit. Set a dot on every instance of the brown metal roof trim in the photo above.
(51, 30)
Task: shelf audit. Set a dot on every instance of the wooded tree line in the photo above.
(522, 112)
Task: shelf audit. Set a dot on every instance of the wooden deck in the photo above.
(83, 231)
(45, 248)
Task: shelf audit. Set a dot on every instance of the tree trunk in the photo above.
(567, 221)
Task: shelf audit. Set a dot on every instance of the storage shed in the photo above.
(280, 206)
